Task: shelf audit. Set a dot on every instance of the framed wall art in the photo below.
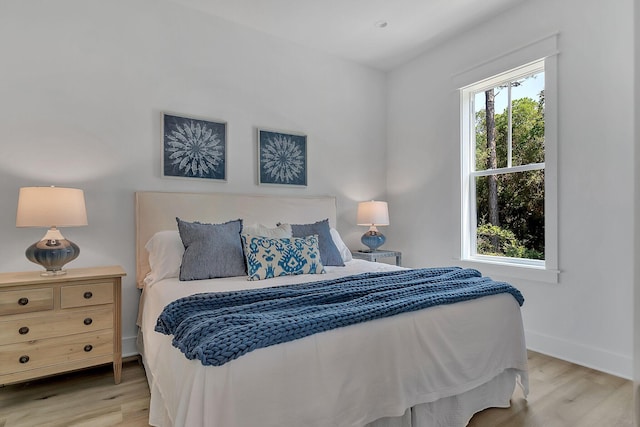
(282, 158)
(193, 147)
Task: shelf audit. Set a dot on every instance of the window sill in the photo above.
(511, 271)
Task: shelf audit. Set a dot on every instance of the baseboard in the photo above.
(590, 357)
(129, 346)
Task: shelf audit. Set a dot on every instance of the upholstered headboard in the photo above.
(156, 211)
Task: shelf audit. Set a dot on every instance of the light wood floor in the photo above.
(562, 395)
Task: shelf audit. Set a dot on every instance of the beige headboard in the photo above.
(156, 211)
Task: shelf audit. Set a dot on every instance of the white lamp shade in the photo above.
(51, 207)
(373, 213)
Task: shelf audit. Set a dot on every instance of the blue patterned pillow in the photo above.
(267, 258)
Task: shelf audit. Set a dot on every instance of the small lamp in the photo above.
(373, 213)
(51, 207)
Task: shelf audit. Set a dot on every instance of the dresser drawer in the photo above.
(26, 301)
(66, 323)
(52, 351)
(88, 294)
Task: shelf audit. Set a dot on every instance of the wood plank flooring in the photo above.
(562, 395)
(87, 398)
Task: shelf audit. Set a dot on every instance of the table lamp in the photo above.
(373, 213)
(51, 207)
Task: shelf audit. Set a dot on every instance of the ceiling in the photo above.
(350, 28)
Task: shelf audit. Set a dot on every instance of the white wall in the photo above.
(588, 316)
(82, 85)
(636, 295)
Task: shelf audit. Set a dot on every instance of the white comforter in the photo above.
(345, 377)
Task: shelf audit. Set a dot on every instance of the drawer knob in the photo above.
(88, 348)
(24, 359)
(23, 301)
(88, 321)
(88, 295)
(23, 331)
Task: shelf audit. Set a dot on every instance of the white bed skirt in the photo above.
(452, 411)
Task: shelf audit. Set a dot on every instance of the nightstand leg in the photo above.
(399, 259)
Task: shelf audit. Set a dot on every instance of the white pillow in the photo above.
(345, 253)
(282, 231)
(165, 256)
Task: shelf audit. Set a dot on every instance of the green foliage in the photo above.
(521, 194)
(528, 133)
(497, 241)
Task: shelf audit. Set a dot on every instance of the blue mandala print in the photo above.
(282, 158)
(194, 148)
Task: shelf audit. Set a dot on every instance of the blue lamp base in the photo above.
(373, 240)
(52, 254)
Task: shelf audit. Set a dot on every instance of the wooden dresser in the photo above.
(61, 323)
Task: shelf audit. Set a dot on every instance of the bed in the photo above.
(433, 367)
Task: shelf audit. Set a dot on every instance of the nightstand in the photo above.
(54, 324)
(373, 256)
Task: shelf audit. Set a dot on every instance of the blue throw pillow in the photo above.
(268, 258)
(328, 251)
(211, 250)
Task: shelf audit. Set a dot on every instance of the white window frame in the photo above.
(541, 54)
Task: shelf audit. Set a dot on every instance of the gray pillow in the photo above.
(211, 250)
(329, 253)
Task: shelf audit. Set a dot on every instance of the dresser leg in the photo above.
(117, 369)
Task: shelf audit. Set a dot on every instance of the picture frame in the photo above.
(282, 158)
(193, 147)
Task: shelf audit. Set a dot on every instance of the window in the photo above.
(504, 168)
(508, 136)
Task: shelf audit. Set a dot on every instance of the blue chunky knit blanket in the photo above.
(218, 327)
